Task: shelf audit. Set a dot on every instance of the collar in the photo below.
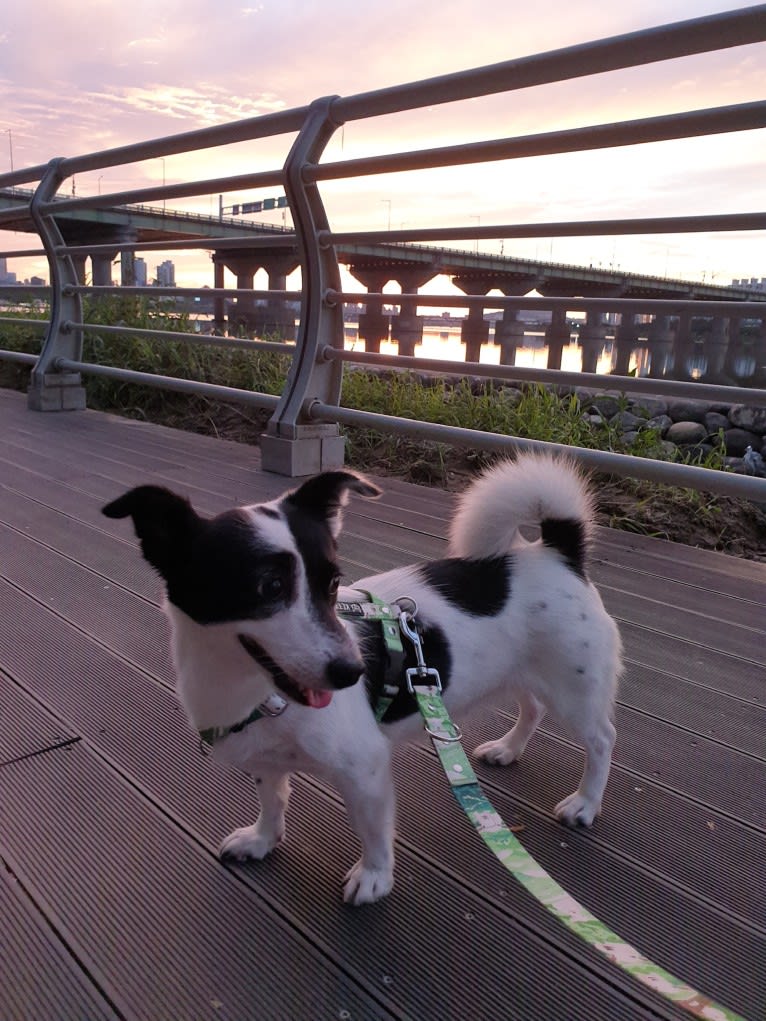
(274, 705)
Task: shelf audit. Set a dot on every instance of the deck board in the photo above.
(110, 815)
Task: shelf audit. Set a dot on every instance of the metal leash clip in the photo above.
(421, 672)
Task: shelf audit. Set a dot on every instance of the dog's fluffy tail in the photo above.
(536, 490)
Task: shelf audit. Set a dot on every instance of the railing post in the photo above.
(293, 444)
(51, 389)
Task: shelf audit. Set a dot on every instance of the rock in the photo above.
(649, 407)
(714, 421)
(745, 417)
(509, 395)
(605, 405)
(687, 433)
(661, 423)
(668, 449)
(696, 451)
(688, 411)
(738, 440)
(627, 421)
(629, 438)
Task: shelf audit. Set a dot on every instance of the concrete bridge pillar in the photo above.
(759, 350)
(557, 335)
(475, 329)
(127, 268)
(592, 338)
(101, 268)
(509, 334)
(219, 302)
(625, 341)
(373, 325)
(407, 327)
(716, 350)
(683, 346)
(279, 316)
(661, 347)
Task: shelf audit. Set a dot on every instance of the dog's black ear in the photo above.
(164, 522)
(327, 494)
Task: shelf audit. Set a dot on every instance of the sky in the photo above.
(79, 77)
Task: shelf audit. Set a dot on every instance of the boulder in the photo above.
(660, 422)
(714, 421)
(743, 416)
(688, 411)
(649, 407)
(738, 440)
(605, 405)
(627, 421)
(686, 433)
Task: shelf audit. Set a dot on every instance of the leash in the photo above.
(424, 685)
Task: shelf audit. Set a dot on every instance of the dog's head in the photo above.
(267, 572)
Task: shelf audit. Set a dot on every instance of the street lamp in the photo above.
(10, 144)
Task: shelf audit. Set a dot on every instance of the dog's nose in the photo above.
(342, 673)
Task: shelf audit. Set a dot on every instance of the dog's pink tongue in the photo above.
(317, 699)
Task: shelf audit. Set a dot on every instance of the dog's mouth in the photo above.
(313, 697)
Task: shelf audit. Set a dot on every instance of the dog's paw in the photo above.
(248, 842)
(496, 753)
(365, 886)
(576, 810)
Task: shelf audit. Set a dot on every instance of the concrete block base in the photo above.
(304, 456)
(57, 391)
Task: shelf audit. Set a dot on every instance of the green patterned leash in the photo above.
(424, 684)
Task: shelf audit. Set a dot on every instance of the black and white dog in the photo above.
(251, 598)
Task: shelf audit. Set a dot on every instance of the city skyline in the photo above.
(132, 83)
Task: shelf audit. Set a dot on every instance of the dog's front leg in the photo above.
(370, 803)
(269, 829)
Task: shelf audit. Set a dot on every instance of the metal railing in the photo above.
(303, 434)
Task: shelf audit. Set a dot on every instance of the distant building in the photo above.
(5, 276)
(166, 274)
(139, 271)
(753, 284)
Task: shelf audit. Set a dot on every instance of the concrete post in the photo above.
(373, 325)
(716, 350)
(682, 346)
(407, 327)
(127, 268)
(101, 268)
(661, 348)
(592, 338)
(279, 317)
(625, 341)
(557, 335)
(219, 302)
(509, 334)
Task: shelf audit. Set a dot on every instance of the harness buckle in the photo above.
(421, 673)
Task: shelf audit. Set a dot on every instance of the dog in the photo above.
(269, 673)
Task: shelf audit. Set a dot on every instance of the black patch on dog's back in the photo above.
(478, 587)
(568, 536)
(436, 652)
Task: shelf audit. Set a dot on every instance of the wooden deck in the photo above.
(113, 904)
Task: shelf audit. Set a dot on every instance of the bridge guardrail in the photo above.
(303, 433)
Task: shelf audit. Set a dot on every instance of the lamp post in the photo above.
(10, 144)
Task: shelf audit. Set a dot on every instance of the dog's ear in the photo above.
(325, 495)
(164, 522)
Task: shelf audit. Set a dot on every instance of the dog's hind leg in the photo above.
(511, 746)
(269, 829)
(584, 805)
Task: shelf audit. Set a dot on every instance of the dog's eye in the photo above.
(334, 585)
(271, 587)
